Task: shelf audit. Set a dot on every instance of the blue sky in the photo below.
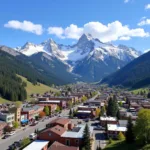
(117, 21)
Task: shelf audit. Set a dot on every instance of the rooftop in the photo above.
(28, 108)
(114, 127)
(84, 111)
(58, 130)
(108, 119)
(78, 133)
(63, 121)
(37, 145)
(50, 101)
(58, 146)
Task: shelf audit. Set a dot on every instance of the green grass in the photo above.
(30, 88)
(39, 88)
(139, 90)
(121, 145)
(2, 100)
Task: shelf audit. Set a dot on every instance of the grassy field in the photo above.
(2, 100)
(121, 145)
(139, 90)
(30, 88)
(40, 88)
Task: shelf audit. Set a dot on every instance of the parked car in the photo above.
(17, 143)
(12, 147)
(6, 136)
(33, 136)
(11, 133)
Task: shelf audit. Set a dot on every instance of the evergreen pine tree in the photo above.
(86, 138)
(148, 95)
(130, 134)
(112, 107)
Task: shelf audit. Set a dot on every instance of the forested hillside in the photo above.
(11, 86)
(136, 74)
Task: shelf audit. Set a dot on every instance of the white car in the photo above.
(32, 136)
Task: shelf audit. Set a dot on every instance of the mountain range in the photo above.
(88, 60)
(136, 74)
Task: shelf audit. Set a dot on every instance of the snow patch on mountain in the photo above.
(86, 46)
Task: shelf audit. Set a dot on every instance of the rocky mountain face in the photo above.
(88, 60)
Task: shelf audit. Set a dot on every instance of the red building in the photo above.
(31, 111)
(58, 146)
(70, 135)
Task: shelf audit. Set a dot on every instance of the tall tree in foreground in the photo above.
(142, 127)
(130, 134)
(86, 138)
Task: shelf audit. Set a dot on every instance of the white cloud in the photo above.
(124, 38)
(25, 26)
(58, 31)
(72, 31)
(147, 6)
(106, 33)
(144, 22)
(126, 1)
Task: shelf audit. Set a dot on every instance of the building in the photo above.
(63, 122)
(31, 111)
(108, 120)
(17, 112)
(71, 137)
(9, 118)
(58, 146)
(60, 103)
(37, 145)
(85, 114)
(114, 129)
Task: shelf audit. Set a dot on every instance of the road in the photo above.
(4, 143)
(93, 98)
(20, 134)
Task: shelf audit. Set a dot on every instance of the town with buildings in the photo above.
(58, 121)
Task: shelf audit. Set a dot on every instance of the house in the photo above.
(58, 146)
(114, 129)
(71, 137)
(134, 105)
(37, 145)
(108, 120)
(9, 118)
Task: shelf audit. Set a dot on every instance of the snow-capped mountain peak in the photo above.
(87, 46)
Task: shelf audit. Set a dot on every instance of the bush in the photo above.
(120, 136)
(110, 141)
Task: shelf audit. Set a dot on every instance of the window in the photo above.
(77, 142)
(68, 142)
(49, 134)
